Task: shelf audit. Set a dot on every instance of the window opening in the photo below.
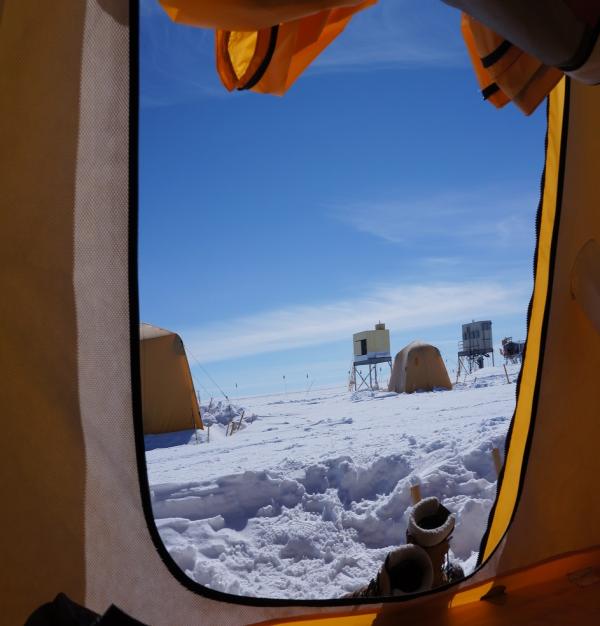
(308, 267)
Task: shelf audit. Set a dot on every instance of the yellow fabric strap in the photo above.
(508, 493)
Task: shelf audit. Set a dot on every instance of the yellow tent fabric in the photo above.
(169, 401)
(418, 367)
(72, 445)
(561, 411)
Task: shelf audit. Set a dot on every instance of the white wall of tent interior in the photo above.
(80, 532)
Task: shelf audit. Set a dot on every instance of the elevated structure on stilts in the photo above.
(476, 345)
(371, 347)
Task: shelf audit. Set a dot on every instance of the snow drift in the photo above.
(308, 498)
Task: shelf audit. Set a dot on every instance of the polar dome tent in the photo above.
(68, 165)
(418, 367)
(169, 401)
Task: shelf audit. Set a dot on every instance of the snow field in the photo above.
(309, 496)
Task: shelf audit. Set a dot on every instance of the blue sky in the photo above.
(381, 187)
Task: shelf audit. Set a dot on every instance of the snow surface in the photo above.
(306, 499)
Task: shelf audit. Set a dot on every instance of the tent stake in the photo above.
(415, 493)
(239, 424)
(194, 427)
(497, 460)
(230, 423)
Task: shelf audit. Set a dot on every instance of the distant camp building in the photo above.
(476, 345)
(169, 401)
(419, 367)
(512, 350)
(371, 347)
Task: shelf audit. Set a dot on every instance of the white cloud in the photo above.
(447, 220)
(401, 307)
(438, 262)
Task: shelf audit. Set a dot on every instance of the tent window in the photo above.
(318, 265)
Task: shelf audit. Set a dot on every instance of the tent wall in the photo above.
(558, 506)
(418, 367)
(169, 401)
(41, 449)
(80, 516)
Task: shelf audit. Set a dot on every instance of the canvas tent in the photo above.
(169, 401)
(418, 367)
(72, 449)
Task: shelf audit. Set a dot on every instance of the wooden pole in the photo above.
(208, 433)
(505, 371)
(194, 427)
(497, 460)
(415, 493)
(239, 424)
(230, 422)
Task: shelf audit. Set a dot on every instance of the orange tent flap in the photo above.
(489, 88)
(312, 40)
(266, 59)
(505, 73)
(247, 15)
(294, 45)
